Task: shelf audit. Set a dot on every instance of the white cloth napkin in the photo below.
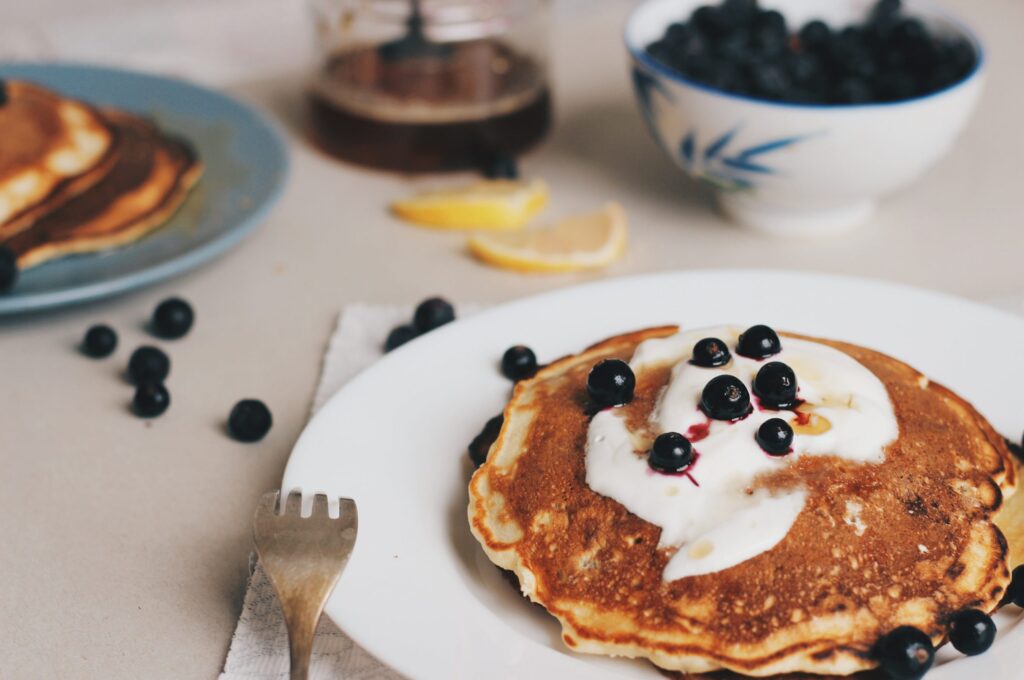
(259, 647)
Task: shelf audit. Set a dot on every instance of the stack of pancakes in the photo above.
(75, 179)
(815, 603)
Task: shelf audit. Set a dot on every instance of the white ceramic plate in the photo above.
(419, 593)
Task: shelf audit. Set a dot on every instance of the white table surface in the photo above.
(125, 542)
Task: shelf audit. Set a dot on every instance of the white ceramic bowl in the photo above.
(797, 169)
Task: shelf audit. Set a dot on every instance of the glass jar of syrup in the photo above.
(426, 85)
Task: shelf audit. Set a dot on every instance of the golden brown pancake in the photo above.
(815, 603)
(53, 148)
(148, 181)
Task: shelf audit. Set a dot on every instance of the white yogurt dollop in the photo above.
(709, 513)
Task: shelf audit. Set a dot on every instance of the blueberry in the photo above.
(611, 383)
(518, 362)
(804, 68)
(723, 76)
(148, 364)
(734, 48)
(725, 397)
(885, 10)
(739, 12)
(481, 444)
(678, 32)
(909, 32)
(775, 436)
(8, 269)
(815, 35)
(661, 51)
(709, 20)
(151, 399)
(905, 653)
(699, 67)
(433, 313)
(758, 342)
(896, 85)
(769, 40)
(772, 20)
(694, 47)
(173, 318)
(671, 453)
(99, 341)
(249, 420)
(501, 166)
(851, 54)
(399, 336)
(710, 352)
(962, 56)
(776, 386)
(971, 631)
(1015, 592)
(853, 91)
(769, 79)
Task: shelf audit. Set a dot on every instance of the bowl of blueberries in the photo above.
(802, 113)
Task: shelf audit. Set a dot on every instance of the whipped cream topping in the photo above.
(710, 512)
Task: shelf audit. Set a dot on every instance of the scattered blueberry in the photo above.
(971, 631)
(173, 318)
(905, 653)
(671, 453)
(758, 342)
(151, 399)
(725, 397)
(8, 269)
(399, 336)
(518, 362)
(148, 364)
(775, 385)
(432, 313)
(710, 352)
(481, 444)
(99, 341)
(249, 420)
(611, 382)
(501, 166)
(775, 436)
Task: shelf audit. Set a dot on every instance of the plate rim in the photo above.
(181, 263)
(291, 475)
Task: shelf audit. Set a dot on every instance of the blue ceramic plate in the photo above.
(246, 166)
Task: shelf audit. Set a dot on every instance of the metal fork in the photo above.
(303, 557)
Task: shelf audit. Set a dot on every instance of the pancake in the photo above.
(147, 183)
(53, 148)
(818, 600)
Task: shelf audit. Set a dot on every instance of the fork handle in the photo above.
(301, 615)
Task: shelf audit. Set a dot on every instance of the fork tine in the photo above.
(268, 503)
(347, 513)
(320, 508)
(293, 504)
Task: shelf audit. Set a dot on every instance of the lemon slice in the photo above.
(573, 244)
(487, 204)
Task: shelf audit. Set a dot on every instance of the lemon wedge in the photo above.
(494, 204)
(573, 244)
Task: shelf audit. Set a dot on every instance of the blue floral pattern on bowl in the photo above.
(718, 162)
